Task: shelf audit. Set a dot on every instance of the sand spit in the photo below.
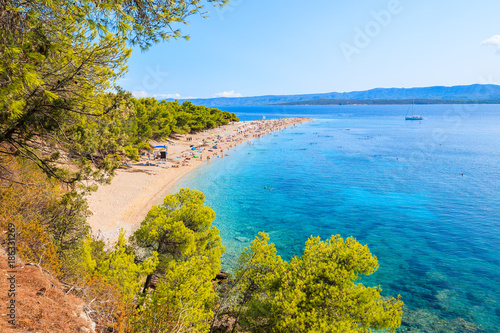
(133, 191)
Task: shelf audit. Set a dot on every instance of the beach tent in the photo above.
(160, 152)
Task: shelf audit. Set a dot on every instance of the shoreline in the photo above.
(134, 191)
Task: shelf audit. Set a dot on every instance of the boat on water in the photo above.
(413, 116)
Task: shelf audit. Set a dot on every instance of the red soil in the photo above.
(41, 304)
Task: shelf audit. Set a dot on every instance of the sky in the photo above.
(286, 47)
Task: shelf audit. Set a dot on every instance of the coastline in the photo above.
(134, 191)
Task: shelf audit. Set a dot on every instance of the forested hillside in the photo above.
(475, 93)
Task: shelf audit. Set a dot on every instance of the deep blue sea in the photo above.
(423, 195)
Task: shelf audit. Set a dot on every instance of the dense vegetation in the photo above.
(59, 62)
(154, 120)
(63, 119)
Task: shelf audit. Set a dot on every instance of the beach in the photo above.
(139, 186)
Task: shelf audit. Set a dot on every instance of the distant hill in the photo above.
(322, 101)
(476, 93)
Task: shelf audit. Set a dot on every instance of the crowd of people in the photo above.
(213, 143)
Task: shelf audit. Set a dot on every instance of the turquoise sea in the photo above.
(423, 195)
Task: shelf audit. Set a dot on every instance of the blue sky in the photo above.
(282, 47)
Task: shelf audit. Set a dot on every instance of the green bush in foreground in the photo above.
(180, 229)
(312, 293)
(183, 300)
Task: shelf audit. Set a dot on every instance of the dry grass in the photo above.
(41, 303)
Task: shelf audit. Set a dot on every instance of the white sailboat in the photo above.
(413, 116)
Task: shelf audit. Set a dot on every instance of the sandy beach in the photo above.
(134, 190)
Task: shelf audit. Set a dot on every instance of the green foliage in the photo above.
(132, 152)
(59, 61)
(312, 293)
(111, 280)
(182, 301)
(141, 22)
(118, 267)
(50, 222)
(67, 221)
(157, 120)
(54, 96)
(189, 249)
(181, 228)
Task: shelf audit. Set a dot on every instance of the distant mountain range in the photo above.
(391, 101)
(476, 93)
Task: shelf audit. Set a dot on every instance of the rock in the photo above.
(88, 320)
(222, 276)
(154, 281)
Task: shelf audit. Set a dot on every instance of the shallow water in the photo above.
(424, 196)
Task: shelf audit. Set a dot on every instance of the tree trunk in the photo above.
(148, 281)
